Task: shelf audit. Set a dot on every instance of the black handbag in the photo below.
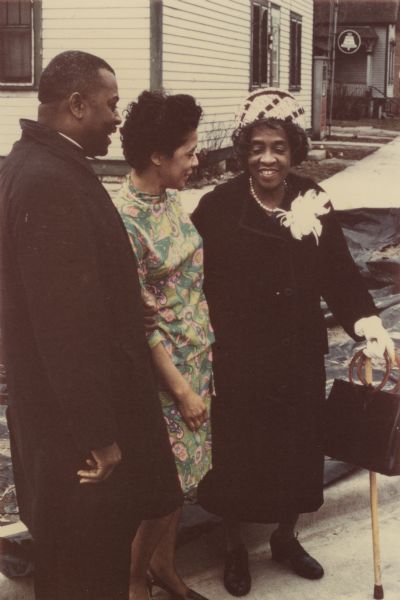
(362, 422)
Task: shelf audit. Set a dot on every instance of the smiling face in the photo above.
(101, 117)
(268, 159)
(175, 170)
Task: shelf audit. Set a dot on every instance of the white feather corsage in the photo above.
(304, 213)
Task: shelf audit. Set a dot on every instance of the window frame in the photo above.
(295, 52)
(275, 82)
(36, 44)
(265, 7)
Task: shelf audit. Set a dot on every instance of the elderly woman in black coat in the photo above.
(272, 249)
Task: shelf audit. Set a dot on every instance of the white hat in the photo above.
(270, 103)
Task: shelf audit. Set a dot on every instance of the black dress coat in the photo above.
(79, 370)
(264, 289)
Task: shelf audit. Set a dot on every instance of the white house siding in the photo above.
(117, 31)
(206, 52)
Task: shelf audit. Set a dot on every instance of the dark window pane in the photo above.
(25, 12)
(256, 45)
(295, 53)
(298, 55)
(3, 13)
(15, 56)
(13, 10)
(292, 52)
(264, 47)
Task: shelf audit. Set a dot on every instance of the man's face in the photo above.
(101, 117)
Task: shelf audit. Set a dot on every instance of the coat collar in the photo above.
(57, 143)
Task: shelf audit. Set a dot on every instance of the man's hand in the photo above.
(101, 465)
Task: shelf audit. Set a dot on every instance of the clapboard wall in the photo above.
(205, 50)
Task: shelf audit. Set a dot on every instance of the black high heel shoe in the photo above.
(292, 551)
(153, 580)
(237, 580)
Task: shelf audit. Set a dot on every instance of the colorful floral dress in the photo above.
(169, 254)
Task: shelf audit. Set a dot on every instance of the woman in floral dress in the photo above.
(159, 140)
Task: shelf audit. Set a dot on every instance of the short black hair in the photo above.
(69, 72)
(297, 138)
(157, 122)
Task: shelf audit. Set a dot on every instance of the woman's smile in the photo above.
(268, 174)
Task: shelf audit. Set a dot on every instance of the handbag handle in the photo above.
(359, 361)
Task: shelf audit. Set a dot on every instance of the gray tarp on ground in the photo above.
(373, 236)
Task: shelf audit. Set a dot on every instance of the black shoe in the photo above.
(237, 579)
(292, 551)
(153, 580)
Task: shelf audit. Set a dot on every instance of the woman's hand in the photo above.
(190, 405)
(378, 339)
(150, 311)
(193, 409)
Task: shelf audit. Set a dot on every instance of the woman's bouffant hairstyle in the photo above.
(297, 139)
(157, 122)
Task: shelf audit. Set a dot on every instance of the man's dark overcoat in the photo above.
(264, 289)
(78, 365)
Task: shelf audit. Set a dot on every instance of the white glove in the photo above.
(378, 339)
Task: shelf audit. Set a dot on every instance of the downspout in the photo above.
(156, 44)
(386, 64)
(37, 42)
(332, 69)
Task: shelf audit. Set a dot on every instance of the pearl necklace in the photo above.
(261, 204)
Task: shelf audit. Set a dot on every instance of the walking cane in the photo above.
(373, 494)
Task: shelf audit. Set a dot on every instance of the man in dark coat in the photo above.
(89, 446)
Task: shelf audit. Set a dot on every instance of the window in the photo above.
(275, 43)
(295, 52)
(260, 43)
(19, 43)
(265, 44)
